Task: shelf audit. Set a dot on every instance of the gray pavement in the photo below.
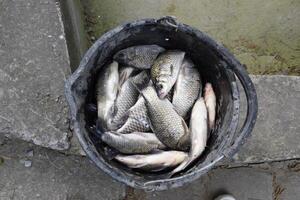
(53, 175)
(276, 132)
(34, 66)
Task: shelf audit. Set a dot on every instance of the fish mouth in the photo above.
(161, 94)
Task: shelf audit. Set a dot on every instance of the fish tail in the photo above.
(139, 86)
(141, 80)
(181, 167)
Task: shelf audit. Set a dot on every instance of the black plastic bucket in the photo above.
(215, 64)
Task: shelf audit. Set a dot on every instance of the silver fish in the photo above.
(153, 162)
(127, 97)
(187, 88)
(165, 70)
(169, 127)
(137, 120)
(106, 92)
(210, 102)
(141, 57)
(132, 143)
(170, 95)
(198, 134)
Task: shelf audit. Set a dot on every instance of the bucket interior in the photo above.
(212, 69)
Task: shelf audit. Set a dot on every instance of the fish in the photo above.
(127, 97)
(187, 88)
(137, 118)
(169, 127)
(198, 133)
(170, 94)
(140, 57)
(210, 102)
(124, 73)
(106, 93)
(165, 70)
(153, 162)
(133, 143)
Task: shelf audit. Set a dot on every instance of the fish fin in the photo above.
(142, 78)
(113, 110)
(139, 87)
(155, 151)
(172, 69)
(158, 169)
(182, 143)
(119, 87)
(122, 78)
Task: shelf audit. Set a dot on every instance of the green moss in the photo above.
(263, 35)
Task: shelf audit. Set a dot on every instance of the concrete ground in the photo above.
(35, 63)
(31, 172)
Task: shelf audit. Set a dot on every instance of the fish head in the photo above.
(125, 56)
(208, 88)
(162, 88)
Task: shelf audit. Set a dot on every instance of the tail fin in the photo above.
(141, 80)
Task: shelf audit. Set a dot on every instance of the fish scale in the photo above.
(187, 88)
(141, 57)
(136, 142)
(137, 119)
(169, 127)
(127, 97)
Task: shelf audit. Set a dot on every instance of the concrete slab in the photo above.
(287, 185)
(34, 66)
(276, 133)
(52, 175)
(267, 43)
(243, 183)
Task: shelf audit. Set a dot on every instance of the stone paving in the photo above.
(53, 175)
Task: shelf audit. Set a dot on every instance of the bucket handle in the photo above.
(252, 105)
(169, 20)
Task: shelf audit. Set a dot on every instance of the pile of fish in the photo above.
(151, 110)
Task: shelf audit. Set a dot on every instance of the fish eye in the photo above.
(160, 86)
